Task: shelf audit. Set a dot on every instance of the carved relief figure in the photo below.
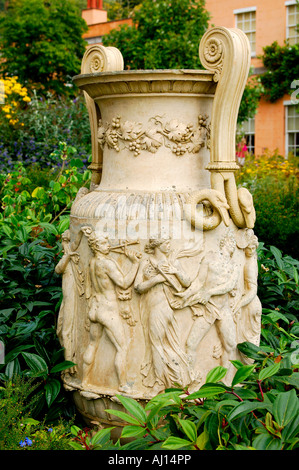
(72, 287)
(248, 308)
(165, 362)
(209, 299)
(104, 276)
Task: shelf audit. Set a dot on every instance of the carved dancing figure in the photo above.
(165, 362)
(104, 276)
(248, 308)
(73, 288)
(209, 299)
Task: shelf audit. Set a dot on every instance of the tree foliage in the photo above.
(163, 35)
(282, 63)
(41, 42)
(167, 36)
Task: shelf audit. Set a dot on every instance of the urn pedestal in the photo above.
(159, 267)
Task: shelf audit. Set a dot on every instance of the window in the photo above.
(95, 40)
(292, 129)
(245, 20)
(247, 129)
(292, 34)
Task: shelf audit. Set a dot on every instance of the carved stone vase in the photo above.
(159, 266)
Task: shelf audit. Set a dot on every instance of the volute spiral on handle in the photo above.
(98, 58)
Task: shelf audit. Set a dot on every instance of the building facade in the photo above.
(276, 125)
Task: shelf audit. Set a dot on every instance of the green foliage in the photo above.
(41, 126)
(258, 411)
(282, 63)
(120, 9)
(31, 223)
(278, 290)
(85, 440)
(18, 430)
(250, 99)
(41, 42)
(164, 35)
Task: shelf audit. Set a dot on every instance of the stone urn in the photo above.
(159, 266)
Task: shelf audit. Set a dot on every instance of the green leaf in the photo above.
(278, 256)
(160, 401)
(13, 368)
(101, 436)
(207, 391)
(242, 374)
(52, 389)
(75, 430)
(56, 187)
(252, 351)
(63, 224)
(75, 445)
(285, 407)
(291, 430)
(202, 440)
(36, 364)
(124, 416)
(269, 371)
(62, 366)
(133, 431)
(134, 408)
(189, 429)
(216, 374)
(16, 351)
(267, 442)
(173, 443)
(246, 407)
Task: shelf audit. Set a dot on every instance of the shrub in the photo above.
(18, 430)
(259, 411)
(273, 182)
(31, 224)
(32, 134)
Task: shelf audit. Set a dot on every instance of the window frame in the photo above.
(240, 11)
(288, 4)
(248, 135)
(287, 105)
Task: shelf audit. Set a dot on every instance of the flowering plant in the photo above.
(273, 181)
(14, 96)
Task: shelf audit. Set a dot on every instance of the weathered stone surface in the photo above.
(159, 267)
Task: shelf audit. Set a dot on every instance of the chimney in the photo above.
(94, 14)
(96, 4)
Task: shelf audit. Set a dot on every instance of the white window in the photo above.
(292, 34)
(95, 40)
(246, 21)
(247, 129)
(292, 129)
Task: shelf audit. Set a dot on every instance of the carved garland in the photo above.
(177, 136)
